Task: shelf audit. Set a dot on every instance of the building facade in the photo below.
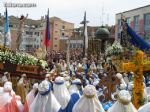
(34, 32)
(138, 19)
(61, 31)
(76, 42)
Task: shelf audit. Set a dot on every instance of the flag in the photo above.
(47, 32)
(85, 32)
(137, 40)
(7, 38)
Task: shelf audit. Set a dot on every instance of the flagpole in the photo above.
(84, 48)
(47, 32)
(46, 48)
(5, 29)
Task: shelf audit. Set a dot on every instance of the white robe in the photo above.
(74, 89)
(145, 108)
(119, 107)
(62, 94)
(47, 103)
(85, 104)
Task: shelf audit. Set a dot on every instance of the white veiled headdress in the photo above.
(4, 97)
(73, 88)
(123, 104)
(89, 101)
(4, 79)
(61, 93)
(45, 101)
(8, 86)
(31, 95)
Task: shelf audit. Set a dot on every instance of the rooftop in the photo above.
(134, 9)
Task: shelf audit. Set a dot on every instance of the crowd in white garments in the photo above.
(74, 89)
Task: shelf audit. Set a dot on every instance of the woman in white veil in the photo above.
(30, 97)
(123, 103)
(8, 99)
(62, 95)
(89, 101)
(74, 87)
(45, 101)
(4, 97)
(145, 108)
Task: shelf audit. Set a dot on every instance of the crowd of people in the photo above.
(70, 87)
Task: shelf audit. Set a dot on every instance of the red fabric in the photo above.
(142, 26)
(132, 24)
(26, 108)
(11, 106)
(47, 32)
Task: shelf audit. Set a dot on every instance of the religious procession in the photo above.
(103, 75)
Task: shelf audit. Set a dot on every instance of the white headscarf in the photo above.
(89, 101)
(126, 79)
(4, 79)
(73, 88)
(30, 96)
(67, 82)
(61, 93)
(119, 76)
(145, 108)
(8, 86)
(45, 101)
(4, 97)
(123, 104)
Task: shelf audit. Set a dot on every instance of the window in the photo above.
(63, 34)
(28, 46)
(119, 25)
(37, 41)
(63, 27)
(27, 32)
(70, 45)
(10, 25)
(128, 21)
(119, 28)
(37, 46)
(78, 45)
(36, 33)
(136, 23)
(146, 22)
(74, 45)
(81, 45)
(31, 33)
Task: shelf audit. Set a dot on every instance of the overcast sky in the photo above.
(73, 10)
